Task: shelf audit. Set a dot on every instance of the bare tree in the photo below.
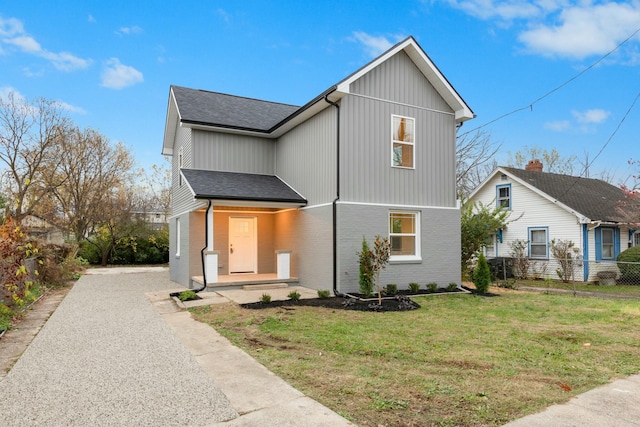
(552, 160)
(474, 160)
(30, 134)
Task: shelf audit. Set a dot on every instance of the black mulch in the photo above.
(338, 303)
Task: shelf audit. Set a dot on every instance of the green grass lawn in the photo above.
(459, 360)
(581, 286)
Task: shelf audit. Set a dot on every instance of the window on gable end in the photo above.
(180, 164)
(503, 196)
(402, 142)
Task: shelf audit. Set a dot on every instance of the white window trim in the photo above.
(612, 244)
(412, 144)
(417, 235)
(500, 199)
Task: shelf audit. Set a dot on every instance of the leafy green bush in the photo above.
(324, 293)
(265, 298)
(432, 287)
(452, 286)
(414, 287)
(294, 296)
(6, 314)
(482, 275)
(187, 295)
(365, 258)
(630, 272)
(391, 289)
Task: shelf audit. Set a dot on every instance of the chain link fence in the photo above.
(569, 270)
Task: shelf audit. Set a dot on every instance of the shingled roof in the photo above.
(234, 112)
(230, 186)
(592, 198)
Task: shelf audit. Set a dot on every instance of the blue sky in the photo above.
(110, 64)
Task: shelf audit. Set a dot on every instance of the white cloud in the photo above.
(373, 45)
(12, 33)
(223, 14)
(592, 116)
(5, 91)
(129, 30)
(584, 30)
(91, 18)
(71, 108)
(117, 75)
(506, 10)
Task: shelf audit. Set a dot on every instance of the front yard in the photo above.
(458, 360)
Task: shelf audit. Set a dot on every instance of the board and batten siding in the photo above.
(530, 209)
(306, 157)
(233, 153)
(397, 87)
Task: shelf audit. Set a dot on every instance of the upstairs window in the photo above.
(503, 196)
(404, 235)
(538, 243)
(402, 142)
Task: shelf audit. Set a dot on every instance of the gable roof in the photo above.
(266, 190)
(589, 199)
(203, 109)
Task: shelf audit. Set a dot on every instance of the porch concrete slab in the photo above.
(241, 296)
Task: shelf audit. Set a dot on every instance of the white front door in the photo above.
(243, 245)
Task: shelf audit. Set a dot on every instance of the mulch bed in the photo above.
(401, 302)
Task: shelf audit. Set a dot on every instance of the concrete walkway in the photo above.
(119, 352)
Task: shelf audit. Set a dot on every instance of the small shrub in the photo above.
(324, 293)
(6, 315)
(452, 286)
(432, 287)
(482, 275)
(265, 298)
(391, 289)
(294, 296)
(365, 258)
(629, 273)
(187, 295)
(414, 287)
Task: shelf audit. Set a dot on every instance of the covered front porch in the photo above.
(246, 282)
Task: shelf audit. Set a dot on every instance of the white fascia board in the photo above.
(171, 125)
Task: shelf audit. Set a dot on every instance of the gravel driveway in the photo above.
(106, 357)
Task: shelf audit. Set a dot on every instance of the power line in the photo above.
(530, 106)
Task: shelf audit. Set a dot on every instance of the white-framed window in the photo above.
(402, 142)
(636, 238)
(177, 237)
(489, 246)
(180, 164)
(404, 235)
(607, 243)
(503, 196)
(539, 242)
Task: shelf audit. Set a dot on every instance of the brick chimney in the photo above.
(534, 165)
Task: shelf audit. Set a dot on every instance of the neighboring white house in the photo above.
(551, 206)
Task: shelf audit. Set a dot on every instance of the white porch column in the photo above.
(283, 259)
(211, 256)
(211, 266)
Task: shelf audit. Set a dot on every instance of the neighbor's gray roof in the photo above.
(593, 198)
(208, 184)
(222, 110)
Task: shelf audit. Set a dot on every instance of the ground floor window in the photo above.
(636, 238)
(177, 237)
(539, 243)
(404, 235)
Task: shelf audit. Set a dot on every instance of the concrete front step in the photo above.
(265, 286)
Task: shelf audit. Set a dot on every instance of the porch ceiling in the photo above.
(233, 189)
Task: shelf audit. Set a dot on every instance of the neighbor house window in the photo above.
(503, 196)
(538, 243)
(402, 141)
(177, 237)
(404, 235)
(607, 243)
(636, 238)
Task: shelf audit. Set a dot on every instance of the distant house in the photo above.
(42, 229)
(263, 190)
(155, 219)
(558, 207)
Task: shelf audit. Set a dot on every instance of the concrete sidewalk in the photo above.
(107, 356)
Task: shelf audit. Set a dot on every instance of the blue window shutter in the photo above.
(598, 237)
(616, 243)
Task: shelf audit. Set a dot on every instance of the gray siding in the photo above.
(233, 153)
(306, 157)
(179, 265)
(181, 197)
(440, 246)
(366, 171)
(397, 87)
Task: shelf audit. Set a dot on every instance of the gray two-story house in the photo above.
(279, 192)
